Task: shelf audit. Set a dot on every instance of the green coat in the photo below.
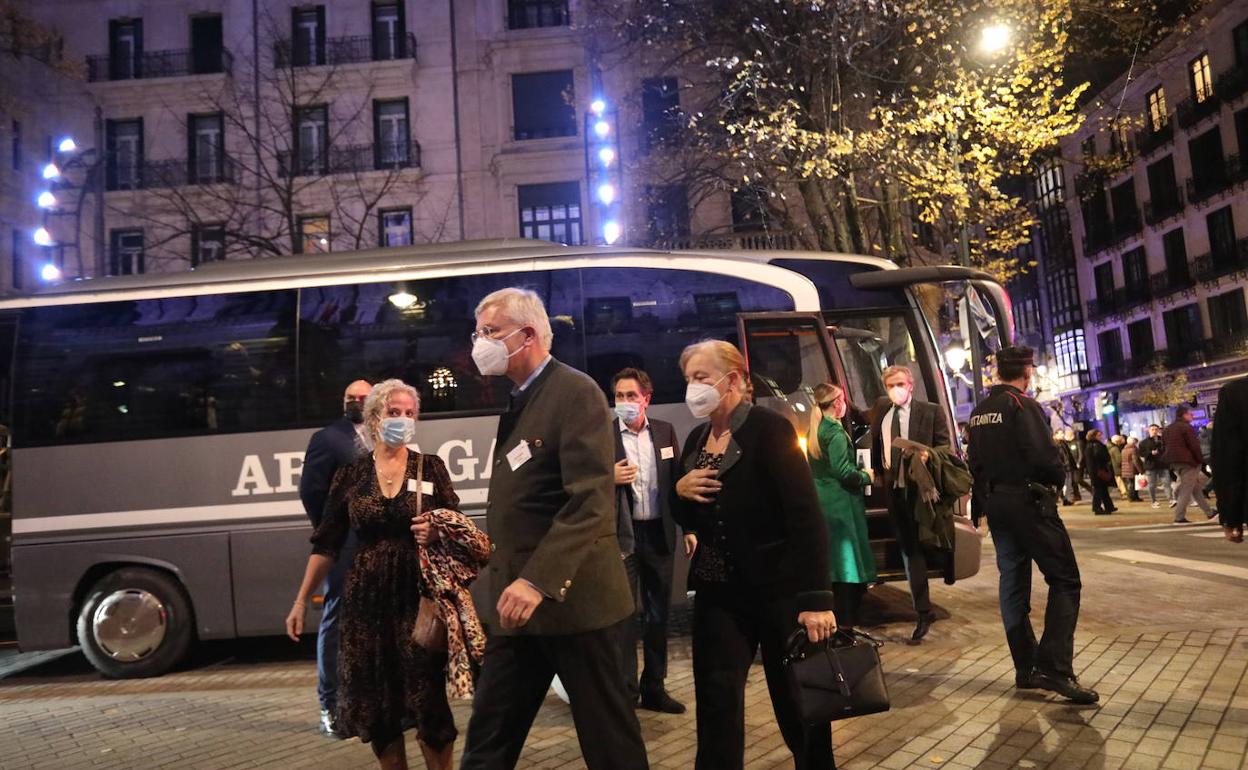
(839, 482)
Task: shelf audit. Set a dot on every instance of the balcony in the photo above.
(348, 160)
(1164, 206)
(1166, 282)
(1148, 141)
(1232, 84)
(1119, 300)
(175, 172)
(1098, 238)
(1126, 223)
(1227, 345)
(355, 49)
(1212, 181)
(159, 64)
(1190, 112)
(1214, 265)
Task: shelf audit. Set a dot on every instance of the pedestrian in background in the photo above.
(1116, 443)
(1099, 471)
(1017, 468)
(1206, 447)
(1230, 458)
(647, 456)
(1183, 456)
(839, 483)
(1075, 465)
(760, 558)
(1152, 451)
(342, 442)
(388, 683)
(1063, 455)
(1131, 467)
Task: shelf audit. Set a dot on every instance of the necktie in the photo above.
(894, 432)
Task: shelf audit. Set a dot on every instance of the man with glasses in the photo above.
(558, 592)
(341, 443)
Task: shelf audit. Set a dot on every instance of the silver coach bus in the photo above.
(158, 422)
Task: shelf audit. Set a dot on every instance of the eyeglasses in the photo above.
(490, 333)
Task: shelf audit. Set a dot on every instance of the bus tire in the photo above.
(135, 622)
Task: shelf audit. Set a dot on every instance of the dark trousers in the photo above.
(327, 632)
(906, 529)
(726, 633)
(650, 577)
(515, 676)
(1100, 497)
(1025, 530)
(848, 602)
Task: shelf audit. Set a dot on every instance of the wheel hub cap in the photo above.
(129, 624)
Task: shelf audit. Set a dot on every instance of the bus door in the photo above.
(8, 335)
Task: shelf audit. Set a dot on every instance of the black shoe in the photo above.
(329, 725)
(1212, 514)
(662, 702)
(1023, 680)
(1066, 502)
(921, 628)
(1066, 686)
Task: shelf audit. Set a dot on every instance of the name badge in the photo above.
(520, 455)
(426, 487)
(666, 453)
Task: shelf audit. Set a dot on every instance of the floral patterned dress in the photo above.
(387, 684)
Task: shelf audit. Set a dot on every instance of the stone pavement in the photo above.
(1170, 662)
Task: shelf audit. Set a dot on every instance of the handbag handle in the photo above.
(798, 645)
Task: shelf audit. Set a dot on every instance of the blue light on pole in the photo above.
(51, 171)
(50, 272)
(67, 145)
(598, 106)
(606, 156)
(42, 237)
(606, 193)
(602, 128)
(611, 232)
(46, 200)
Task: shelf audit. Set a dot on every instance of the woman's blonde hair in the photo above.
(825, 394)
(379, 399)
(728, 358)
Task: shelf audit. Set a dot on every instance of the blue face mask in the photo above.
(397, 431)
(627, 411)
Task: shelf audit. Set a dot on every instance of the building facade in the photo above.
(1159, 206)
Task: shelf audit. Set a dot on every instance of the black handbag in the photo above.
(838, 678)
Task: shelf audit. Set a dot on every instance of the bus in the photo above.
(158, 422)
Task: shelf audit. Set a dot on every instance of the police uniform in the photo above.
(1017, 469)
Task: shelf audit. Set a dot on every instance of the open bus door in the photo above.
(8, 338)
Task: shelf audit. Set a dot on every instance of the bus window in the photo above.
(419, 332)
(831, 278)
(155, 368)
(787, 357)
(870, 344)
(644, 317)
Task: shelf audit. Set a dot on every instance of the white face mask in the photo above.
(899, 395)
(491, 356)
(702, 398)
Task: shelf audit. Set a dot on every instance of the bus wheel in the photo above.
(135, 622)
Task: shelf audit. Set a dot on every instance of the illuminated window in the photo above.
(1050, 184)
(1201, 78)
(314, 235)
(396, 227)
(551, 212)
(1157, 117)
(1069, 351)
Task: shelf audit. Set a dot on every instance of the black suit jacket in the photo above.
(1230, 453)
(927, 426)
(663, 438)
(552, 517)
(329, 449)
(767, 510)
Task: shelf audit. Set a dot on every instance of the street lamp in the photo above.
(42, 237)
(955, 357)
(994, 38)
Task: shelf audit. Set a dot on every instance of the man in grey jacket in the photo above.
(557, 588)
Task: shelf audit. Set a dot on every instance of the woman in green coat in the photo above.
(840, 482)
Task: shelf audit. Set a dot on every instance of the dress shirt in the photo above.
(639, 448)
(886, 428)
(529, 380)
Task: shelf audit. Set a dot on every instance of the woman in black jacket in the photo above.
(1101, 473)
(759, 548)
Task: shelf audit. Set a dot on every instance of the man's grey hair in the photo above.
(377, 401)
(521, 307)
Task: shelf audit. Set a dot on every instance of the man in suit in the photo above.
(342, 442)
(1230, 458)
(646, 455)
(558, 591)
(900, 416)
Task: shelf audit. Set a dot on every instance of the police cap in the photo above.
(1017, 355)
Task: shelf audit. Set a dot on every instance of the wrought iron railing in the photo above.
(1190, 112)
(349, 160)
(1167, 282)
(1147, 140)
(345, 50)
(173, 172)
(1220, 262)
(159, 64)
(1161, 207)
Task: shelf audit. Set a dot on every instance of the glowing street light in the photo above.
(67, 145)
(606, 194)
(50, 171)
(606, 156)
(994, 38)
(402, 299)
(598, 106)
(50, 272)
(955, 357)
(46, 200)
(611, 232)
(602, 128)
(42, 237)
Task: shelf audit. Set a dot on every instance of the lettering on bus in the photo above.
(462, 463)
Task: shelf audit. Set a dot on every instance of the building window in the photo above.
(389, 35)
(660, 111)
(1221, 227)
(16, 140)
(207, 244)
(551, 212)
(1109, 346)
(542, 105)
(1103, 280)
(126, 253)
(124, 164)
(531, 14)
(1088, 147)
(1126, 209)
(1227, 314)
(1027, 316)
(396, 227)
(312, 141)
(313, 236)
(391, 139)
(1069, 352)
(207, 44)
(19, 264)
(1157, 116)
(1183, 332)
(1119, 138)
(750, 212)
(125, 49)
(307, 36)
(206, 149)
(1239, 36)
(667, 212)
(1174, 246)
(1050, 184)
(1140, 338)
(1200, 78)
(1135, 269)
(1163, 188)
(1064, 298)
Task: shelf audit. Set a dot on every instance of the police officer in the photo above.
(1017, 472)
